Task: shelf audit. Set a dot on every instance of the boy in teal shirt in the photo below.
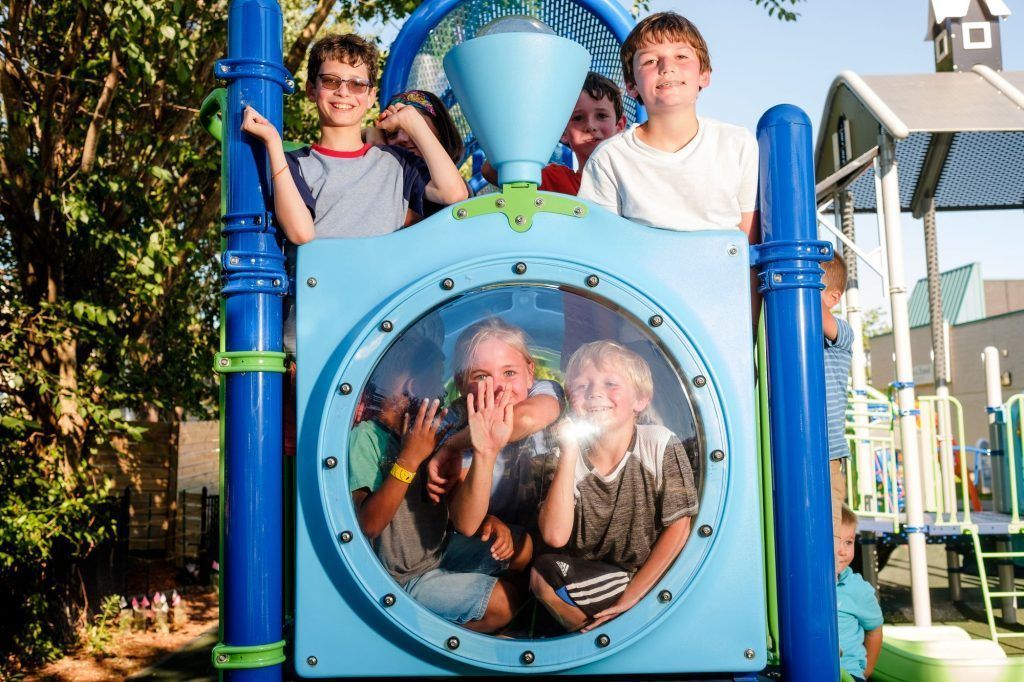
(860, 617)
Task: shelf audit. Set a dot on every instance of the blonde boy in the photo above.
(860, 618)
(678, 171)
(619, 508)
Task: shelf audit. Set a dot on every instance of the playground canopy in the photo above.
(959, 138)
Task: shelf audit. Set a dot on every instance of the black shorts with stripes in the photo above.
(590, 586)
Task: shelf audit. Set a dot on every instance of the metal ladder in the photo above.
(1015, 526)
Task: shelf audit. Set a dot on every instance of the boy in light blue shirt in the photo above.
(860, 617)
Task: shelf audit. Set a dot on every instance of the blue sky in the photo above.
(759, 62)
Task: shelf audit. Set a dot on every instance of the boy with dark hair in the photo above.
(597, 116)
(342, 186)
(678, 170)
(452, 576)
(838, 356)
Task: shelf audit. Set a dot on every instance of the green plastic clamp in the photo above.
(519, 202)
(211, 117)
(231, 362)
(226, 657)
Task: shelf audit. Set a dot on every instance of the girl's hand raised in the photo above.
(490, 419)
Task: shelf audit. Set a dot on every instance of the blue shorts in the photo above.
(460, 588)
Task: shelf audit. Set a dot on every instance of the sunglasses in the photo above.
(355, 86)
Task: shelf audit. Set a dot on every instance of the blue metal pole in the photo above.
(791, 281)
(254, 280)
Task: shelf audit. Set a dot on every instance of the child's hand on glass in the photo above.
(503, 546)
(258, 126)
(490, 418)
(421, 434)
(443, 471)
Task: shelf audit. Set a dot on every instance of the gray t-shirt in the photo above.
(366, 193)
(524, 469)
(412, 543)
(619, 517)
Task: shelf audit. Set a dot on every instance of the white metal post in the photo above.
(890, 202)
(994, 401)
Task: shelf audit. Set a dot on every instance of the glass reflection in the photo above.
(504, 502)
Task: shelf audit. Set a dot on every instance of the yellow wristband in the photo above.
(401, 473)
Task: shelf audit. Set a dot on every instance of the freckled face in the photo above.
(340, 107)
(605, 397)
(505, 365)
(668, 75)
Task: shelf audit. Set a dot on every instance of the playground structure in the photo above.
(340, 586)
(925, 143)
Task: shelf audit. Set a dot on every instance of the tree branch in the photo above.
(92, 136)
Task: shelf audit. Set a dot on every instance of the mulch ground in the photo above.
(131, 652)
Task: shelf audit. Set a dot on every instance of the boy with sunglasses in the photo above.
(341, 186)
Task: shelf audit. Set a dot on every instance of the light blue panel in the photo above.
(699, 284)
(487, 77)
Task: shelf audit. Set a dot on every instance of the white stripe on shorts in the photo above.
(600, 578)
(605, 593)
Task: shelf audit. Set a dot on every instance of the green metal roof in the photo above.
(963, 297)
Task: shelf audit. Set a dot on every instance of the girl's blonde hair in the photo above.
(608, 354)
(488, 328)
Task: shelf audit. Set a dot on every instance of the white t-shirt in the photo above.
(706, 185)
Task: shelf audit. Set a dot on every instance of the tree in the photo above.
(109, 202)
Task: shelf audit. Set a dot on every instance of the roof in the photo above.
(959, 137)
(963, 297)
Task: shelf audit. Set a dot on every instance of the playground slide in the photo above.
(942, 653)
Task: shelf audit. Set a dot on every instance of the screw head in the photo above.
(386, 326)
(577, 211)
(664, 596)
(233, 260)
(538, 202)
(452, 643)
(222, 658)
(593, 281)
(447, 283)
(699, 381)
(748, 654)
(331, 462)
(290, 83)
(224, 362)
(311, 661)
(527, 658)
(500, 203)
(277, 282)
(345, 389)
(717, 455)
(776, 277)
(311, 282)
(656, 320)
(705, 531)
(602, 641)
(824, 252)
(461, 213)
(520, 219)
(345, 536)
(223, 68)
(733, 249)
(519, 268)
(388, 600)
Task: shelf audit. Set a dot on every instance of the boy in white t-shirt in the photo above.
(677, 171)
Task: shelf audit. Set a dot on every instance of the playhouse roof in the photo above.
(959, 137)
(963, 297)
